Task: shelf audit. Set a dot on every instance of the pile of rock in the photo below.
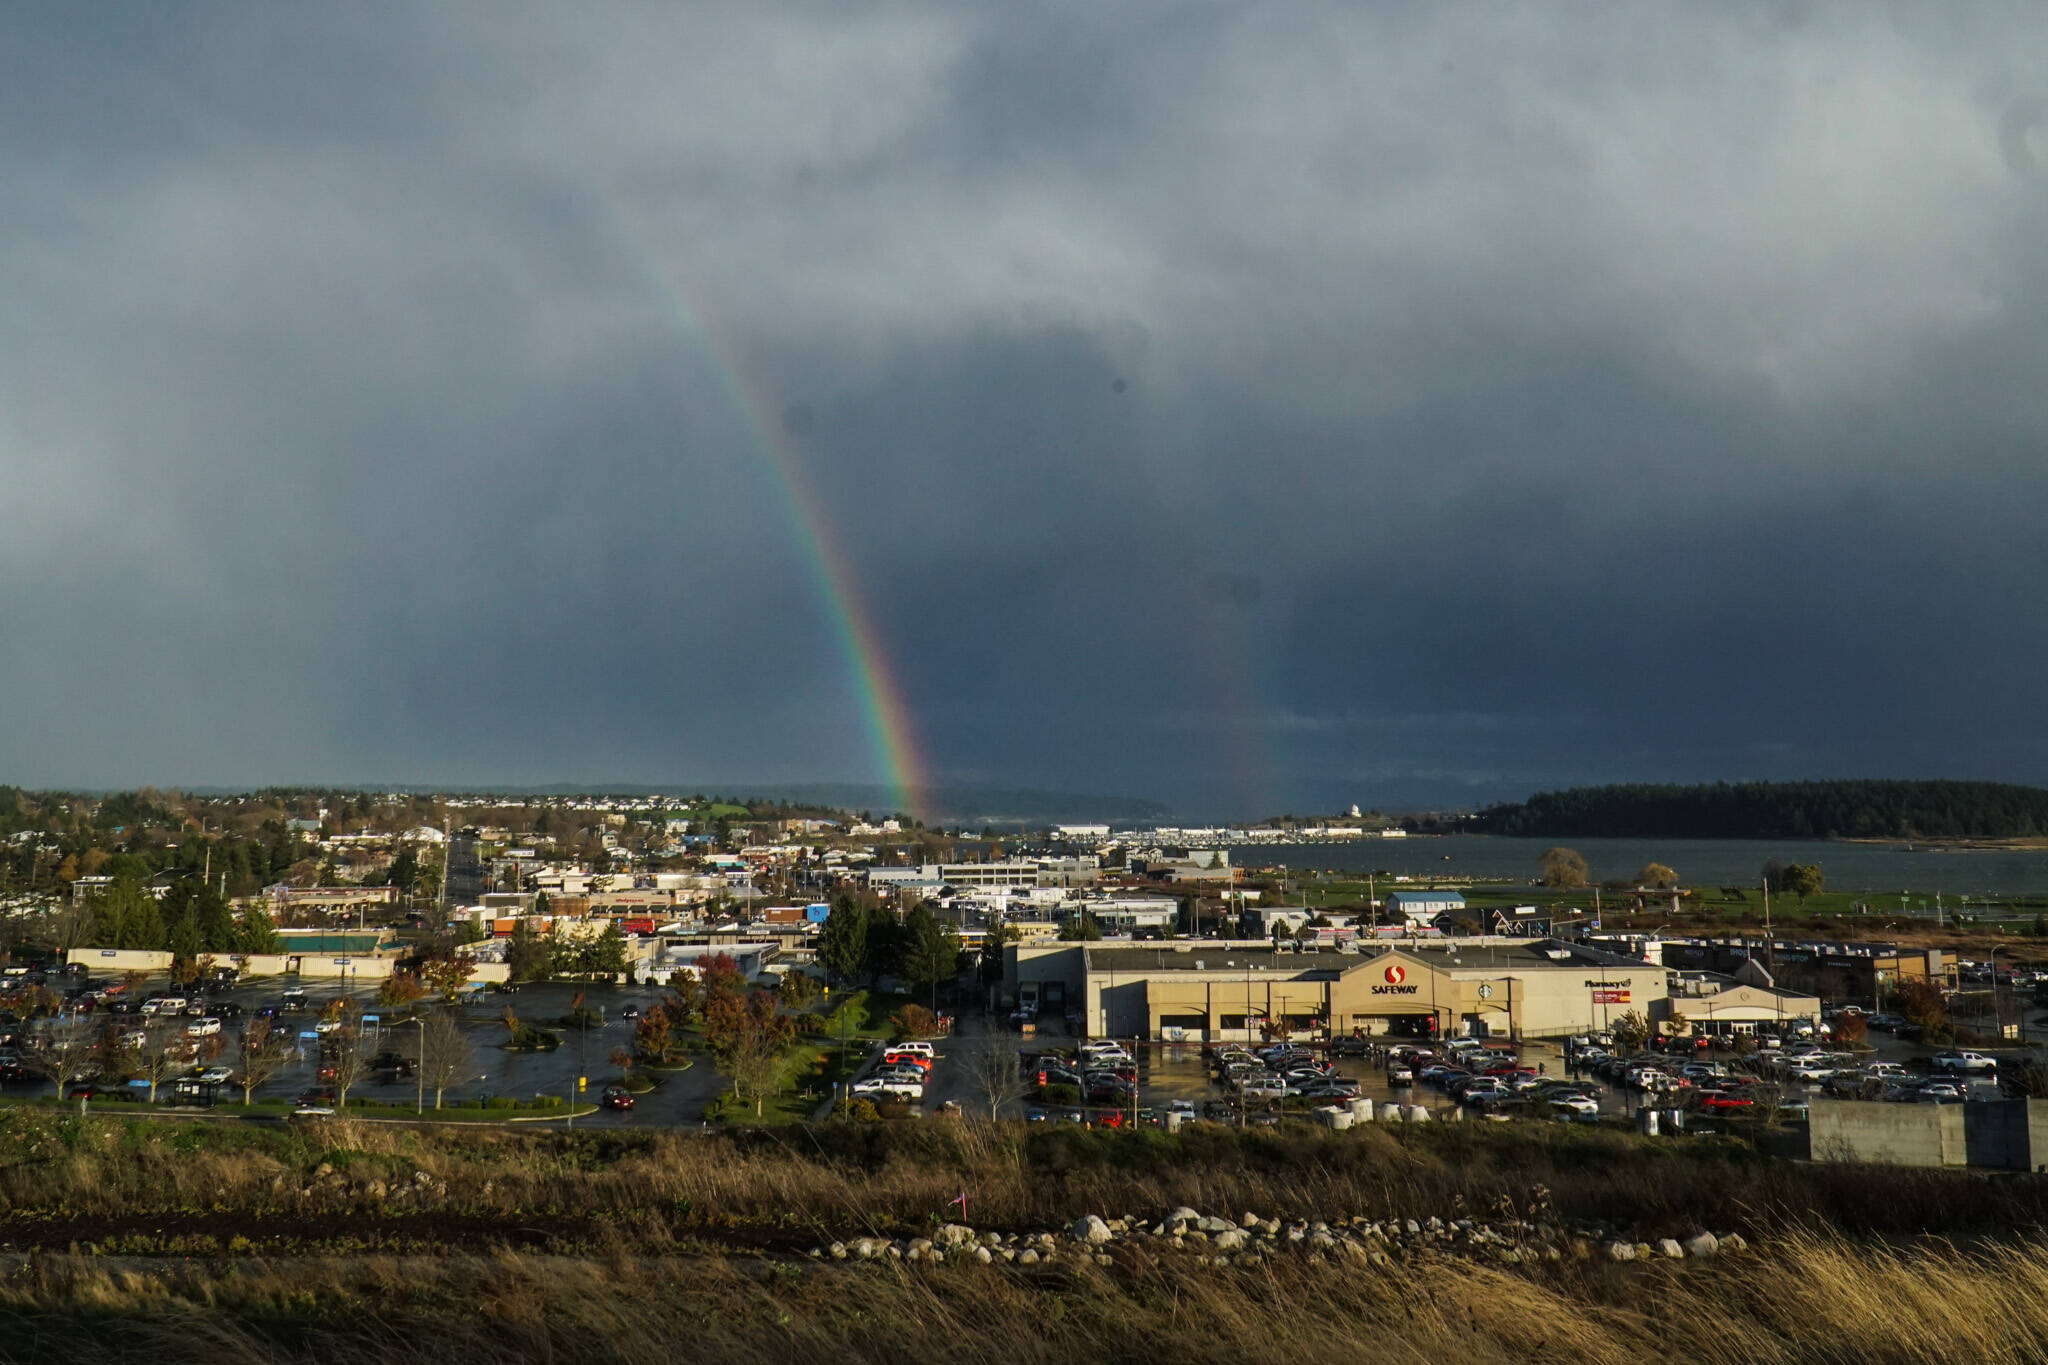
(1251, 1238)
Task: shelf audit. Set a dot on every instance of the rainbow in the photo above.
(886, 719)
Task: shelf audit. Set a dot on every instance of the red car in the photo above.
(1724, 1101)
(616, 1097)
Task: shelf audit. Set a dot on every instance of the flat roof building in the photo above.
(1217, 991)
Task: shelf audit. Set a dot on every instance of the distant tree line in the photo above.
(1847, 809)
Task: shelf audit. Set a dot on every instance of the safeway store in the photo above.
(1225, 991)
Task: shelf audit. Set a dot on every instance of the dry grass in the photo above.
(1808, 1299)
(774, 1186)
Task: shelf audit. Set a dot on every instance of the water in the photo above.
(1879, 869)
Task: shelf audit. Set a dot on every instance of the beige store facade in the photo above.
(1232, 991)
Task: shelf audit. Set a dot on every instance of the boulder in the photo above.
(953, 1235)
(1621, 1251)
(1702, 1244)
(983, 1255)
(1733, 1242)
(1670, 1249)
(1090, 1229)
(1230, 1239)
(1027, 1257)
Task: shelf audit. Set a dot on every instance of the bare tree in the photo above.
(445, 1052)
(264, 1052)
(162, 1053)
(996, 1071)
(59, 1048)
(347, 1058)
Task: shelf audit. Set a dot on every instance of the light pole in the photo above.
(419, 1070)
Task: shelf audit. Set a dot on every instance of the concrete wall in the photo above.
(1995, 1135)
(120, 959)
(1890, 1134)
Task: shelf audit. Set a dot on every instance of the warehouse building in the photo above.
(1220, 991)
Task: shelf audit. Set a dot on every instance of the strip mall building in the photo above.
(1229, 991)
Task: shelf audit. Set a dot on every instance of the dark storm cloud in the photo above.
(1274, 405)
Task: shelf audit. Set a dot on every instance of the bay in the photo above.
(1879, 869)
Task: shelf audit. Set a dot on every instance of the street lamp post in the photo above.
(420, 1068)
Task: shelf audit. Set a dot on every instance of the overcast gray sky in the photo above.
(1256, 407)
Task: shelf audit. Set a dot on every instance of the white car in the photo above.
(326, 1026)
(217, 1075)
(202, 1028)
(1964, 1062)
(1263, 1088)
(1184, 1108)
(1574, 1109)
(896, 1087)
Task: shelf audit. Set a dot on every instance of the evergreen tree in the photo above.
(928, 952)
(843, 942)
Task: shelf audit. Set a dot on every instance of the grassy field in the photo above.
(348, 1242)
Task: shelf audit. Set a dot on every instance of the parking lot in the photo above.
(678, 1098)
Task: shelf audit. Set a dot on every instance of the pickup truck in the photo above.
(1962, 1062)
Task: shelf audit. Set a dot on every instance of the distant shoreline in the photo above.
(1961, 844)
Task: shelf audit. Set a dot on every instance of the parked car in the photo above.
(1574, 1109)
(616, 1097)
(217, 1075)
(96, 1090)
(1725, 1102)
(892, 1087)
(1964, 1062)
(202, 1028)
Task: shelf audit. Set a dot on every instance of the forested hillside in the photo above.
(1779, 810)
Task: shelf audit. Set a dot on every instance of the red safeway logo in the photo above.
(1396, 974)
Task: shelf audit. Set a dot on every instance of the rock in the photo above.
(1621, 1251)
(1670, 1249)
(1250, 1220)
(1702, 1244)
(1102, 1258)
(1230, 1239)
(953, 1235)
(1091, 1230)
(865, 1248)
(1322, 1241)
(1733, 1242)
(837, 1251)
(1183, 1214)
(983, 1255)
(894, 1251)
(919, 1248)
(1213, 1225)
(1027, 1257)
(1414, 1229)
(1645, 1252)
(1008, 1254)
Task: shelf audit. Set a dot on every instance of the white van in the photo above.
(922, 1049)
